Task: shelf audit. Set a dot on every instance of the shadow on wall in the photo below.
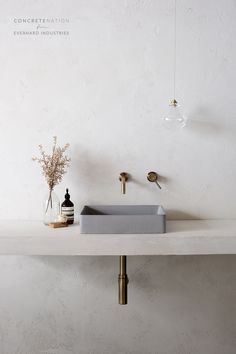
(205, 122)
(173, 214)
(84, 268)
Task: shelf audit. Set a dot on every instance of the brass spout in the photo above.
(123, 282)
(123, 178)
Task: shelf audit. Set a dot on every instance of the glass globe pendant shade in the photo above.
(174, 119)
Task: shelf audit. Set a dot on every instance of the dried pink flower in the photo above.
(53, 166)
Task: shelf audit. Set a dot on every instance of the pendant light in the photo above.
(174, 119)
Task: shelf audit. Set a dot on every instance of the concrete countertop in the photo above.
(183, 237)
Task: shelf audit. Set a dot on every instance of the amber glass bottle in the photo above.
(67, 208)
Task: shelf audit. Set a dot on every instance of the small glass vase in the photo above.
(51, 208)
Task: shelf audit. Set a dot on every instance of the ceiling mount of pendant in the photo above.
(173, 103)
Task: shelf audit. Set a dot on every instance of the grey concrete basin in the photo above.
(122, 219)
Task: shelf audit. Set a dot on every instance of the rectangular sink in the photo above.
(122, 219)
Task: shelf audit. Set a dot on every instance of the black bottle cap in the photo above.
(67, 195)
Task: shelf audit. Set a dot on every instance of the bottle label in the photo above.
(67, 209)
(68, 212)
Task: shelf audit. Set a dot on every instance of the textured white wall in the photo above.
(68, 305)
(104, 89)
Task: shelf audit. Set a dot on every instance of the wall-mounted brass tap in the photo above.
(123, 179)
(153, 177)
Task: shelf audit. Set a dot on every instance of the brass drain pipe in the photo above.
(123, 282)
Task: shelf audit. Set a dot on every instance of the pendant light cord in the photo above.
(174, 70)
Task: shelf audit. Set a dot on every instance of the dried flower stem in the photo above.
(53, 166)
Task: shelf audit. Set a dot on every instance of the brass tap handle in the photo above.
(123, 179)
(153, 177)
